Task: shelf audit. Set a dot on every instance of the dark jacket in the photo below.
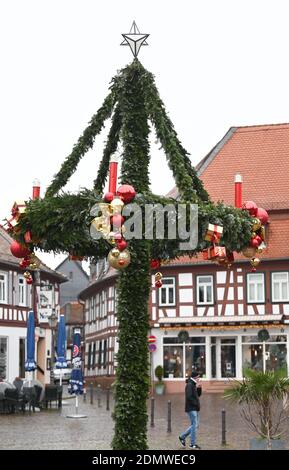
(192, 393)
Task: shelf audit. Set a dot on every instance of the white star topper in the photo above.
(134, 39)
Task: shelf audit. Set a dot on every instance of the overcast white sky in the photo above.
(218, 63)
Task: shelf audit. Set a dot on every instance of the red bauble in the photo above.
(116, 220)
(29, 280)
(155, 263)
(251, 207)
(24, 263)
(158, 284)
(121, 244)
(253, 270)
(108, 197)
(19, 251)
(262, 215)
(126, 193)
(255, 241)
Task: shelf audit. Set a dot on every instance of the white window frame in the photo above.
(250, 277)
(166, 287)
(24, 290)
(280, 299)
(4, 298)
(205, 284)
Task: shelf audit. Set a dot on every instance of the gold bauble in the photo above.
(105, 209)
(116, 205)
(256, 224)
(33, 266)
(255, 262)
(249, 252)
(120, 262)
(27, 275)
(158, 276)
(115, 252)
(262, 233)
(102, 225)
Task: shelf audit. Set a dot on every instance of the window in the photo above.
(167, 293)
(255, 288)
(173, 362)
(103, 304)
(93, 356)
(104, 358)
(99, 355)
(3, 288)
(21, 291)
(280, 287)
(180, 359)
(3, 358)
(205, 290)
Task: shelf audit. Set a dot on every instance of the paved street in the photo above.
(52, 430)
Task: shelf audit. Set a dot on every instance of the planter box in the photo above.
(261, 444)
(159, 389)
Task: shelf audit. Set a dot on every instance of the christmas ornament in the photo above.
(158, 284)
(29, 280)
(256, 224)
(116, 221)
(18, 250)
(115, 252)
(108, 197)
(155, 263)
(249, 252)
(27, 274)
(158, 276)
(262, 215)
(214, 233)
(76, 257)
(251, 207)
(255, 241)
(121, 244)
(126, 193)
(102, 225)
(121, 261)
(255, 262)
(116, 206)
(214, 252)
(24, 263)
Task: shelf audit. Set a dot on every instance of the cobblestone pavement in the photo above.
(51, 429)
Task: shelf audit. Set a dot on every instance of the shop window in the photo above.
(255, 288)
(270, 355)
(167, 293)
(195, 359)
(280, 287)
(173, 362)
(205, 290)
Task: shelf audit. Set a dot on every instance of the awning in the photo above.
(224, 320)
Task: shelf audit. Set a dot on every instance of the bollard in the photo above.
(98, 391)
(152, 412)
(91, 392)
(107, 399)
(169, 416)
(84, 394)
(223, 427)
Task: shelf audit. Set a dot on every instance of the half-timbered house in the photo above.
(221, 310)
(17, 298)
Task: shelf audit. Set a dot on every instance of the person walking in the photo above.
(192, 407)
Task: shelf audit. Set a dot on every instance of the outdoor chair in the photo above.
(52, 393)
(14, 401)
(32, 396)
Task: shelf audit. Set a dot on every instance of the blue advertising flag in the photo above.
(30, 363)
(61, 344)
(76, 381)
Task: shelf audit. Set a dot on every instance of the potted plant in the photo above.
(159, 386)
(262, 397)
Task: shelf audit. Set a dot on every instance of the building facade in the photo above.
(205, 317)
(16, 300)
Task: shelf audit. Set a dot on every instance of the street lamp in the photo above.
(52, 323)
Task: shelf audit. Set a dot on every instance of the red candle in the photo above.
(113, 174)
(238, 191)
(36, 189)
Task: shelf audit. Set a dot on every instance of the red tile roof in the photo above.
(261, 155)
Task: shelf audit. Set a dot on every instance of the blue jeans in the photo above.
(192, 430)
